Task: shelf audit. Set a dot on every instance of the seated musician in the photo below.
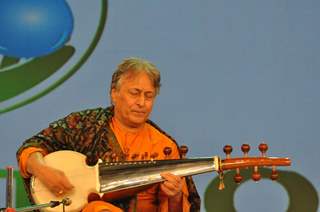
(124, 129)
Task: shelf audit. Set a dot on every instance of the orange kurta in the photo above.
(146, 142)
(143, 143)
(24, 157)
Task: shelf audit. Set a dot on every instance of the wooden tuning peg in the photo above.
(144, 156)
(154, 156)
(183, 151)
(245, 149)
(227, 149)
(263, 149)
(126, 153)
(91, 159)
(93, 197)
(134, 156)
(114, 157)
(167, 152)
(274, 174)
(237, 178)
(256, 176)
(107, 156)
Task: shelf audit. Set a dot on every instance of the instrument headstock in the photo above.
(219, 165)
(245, 162)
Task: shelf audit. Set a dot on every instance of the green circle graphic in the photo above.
(302, 195)
(59, 58)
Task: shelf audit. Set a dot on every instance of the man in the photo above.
(122, 129)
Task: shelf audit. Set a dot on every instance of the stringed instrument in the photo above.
(117, 179)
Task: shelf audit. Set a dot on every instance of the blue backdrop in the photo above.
(233, 72)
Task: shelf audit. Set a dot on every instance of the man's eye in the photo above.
(149, 96)
(134, 93)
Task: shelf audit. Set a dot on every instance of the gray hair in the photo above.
(135, 65)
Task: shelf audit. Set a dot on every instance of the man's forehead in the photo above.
(139, 81)
(135, 76)
(133, 73)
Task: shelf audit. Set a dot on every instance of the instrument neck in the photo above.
(123, 175)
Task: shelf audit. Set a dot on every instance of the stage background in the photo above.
(233, 72)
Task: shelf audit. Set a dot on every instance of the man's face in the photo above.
(133, 100)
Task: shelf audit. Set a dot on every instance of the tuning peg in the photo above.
(93, 197)
(256, 176)
(263, 149)
(114, 157)
(274, 174)
(237, 177)
(91, 159)
(183, 151)
(167, 151)
(107, 156)
(126, 153)
(227, 149)
(134, 156)
(144, 156)
(154, 156)
(245, 149)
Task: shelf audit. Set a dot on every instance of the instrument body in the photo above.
(83, 177)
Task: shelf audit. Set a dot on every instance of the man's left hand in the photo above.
(172, 186)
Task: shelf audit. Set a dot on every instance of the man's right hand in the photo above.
(54, 179)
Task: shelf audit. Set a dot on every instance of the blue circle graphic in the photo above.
(32, 28)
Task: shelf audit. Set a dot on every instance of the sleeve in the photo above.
(24, 157)
(99, 206)
(74, 132)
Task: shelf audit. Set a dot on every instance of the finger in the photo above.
(166, 190)
(171, 177)
(57, 191)
(167, 175)
(171, 189)
(65, 183)
(61, 187)
(170, 185)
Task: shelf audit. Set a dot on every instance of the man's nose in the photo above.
(141, 100)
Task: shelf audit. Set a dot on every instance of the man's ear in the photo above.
(114, 93)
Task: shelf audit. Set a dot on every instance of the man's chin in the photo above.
(138, 121)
